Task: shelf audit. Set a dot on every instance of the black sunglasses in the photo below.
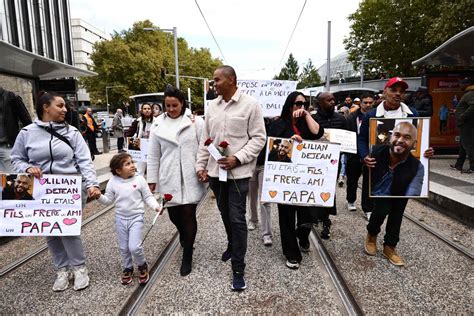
(301, 103)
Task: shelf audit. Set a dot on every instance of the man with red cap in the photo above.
(391, 107)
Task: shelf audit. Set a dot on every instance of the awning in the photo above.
(457, 51)
(16, 60)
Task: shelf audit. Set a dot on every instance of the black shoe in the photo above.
(304, 246)
(325, 234)
(470, 170)
(98, 153)
(238, 282)
(454, 167)
(226, 255)
(186, 267)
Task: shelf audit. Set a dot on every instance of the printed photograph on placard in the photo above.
(398, 146)
(17, 187)
(133, 143)
(280, 150)
(300, 173)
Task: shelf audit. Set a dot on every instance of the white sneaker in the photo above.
(292, 264)
(367, 215)
(351, 206)
(251, 225)
(62, 280)
(81, 277)
(267, 240)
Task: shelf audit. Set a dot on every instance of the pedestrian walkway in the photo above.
(451, 192)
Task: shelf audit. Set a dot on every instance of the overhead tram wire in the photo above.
(202, 14)
(292, 33)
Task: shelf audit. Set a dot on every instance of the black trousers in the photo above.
(287, 216)
(354, 169)
(231, 199)
(120, 141)
(92, 142)
(394, 208)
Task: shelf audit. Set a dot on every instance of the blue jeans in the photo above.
(232, 206)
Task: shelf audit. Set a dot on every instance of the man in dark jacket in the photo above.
(91, 130)
(328, 118)
(423, 102)
(354, 166)
(391, 107)
(12, 112)
(465, 123)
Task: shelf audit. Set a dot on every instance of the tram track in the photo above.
(348, 300)
(139, 295)
(19, 262)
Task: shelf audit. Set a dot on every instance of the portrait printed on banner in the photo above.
(280, 150)
(398, 144)
(133, 143)
(17, 187)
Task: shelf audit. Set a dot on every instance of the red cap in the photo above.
(395, 80)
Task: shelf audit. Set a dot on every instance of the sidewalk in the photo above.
(451, 192)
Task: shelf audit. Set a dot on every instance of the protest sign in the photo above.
(347, 139)
(271, 94)
(403, 140)
(300, 173)
(50, 206)
(138, 148)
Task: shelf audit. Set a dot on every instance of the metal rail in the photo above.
(17, 263)
(348, 300)
(441, 236)
(136, 299)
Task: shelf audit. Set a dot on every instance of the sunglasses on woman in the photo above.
(301, 103)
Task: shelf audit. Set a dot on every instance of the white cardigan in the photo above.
(171, 160)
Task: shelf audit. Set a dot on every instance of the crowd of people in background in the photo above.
(180, 164)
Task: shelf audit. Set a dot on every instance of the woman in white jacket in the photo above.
(171, 158)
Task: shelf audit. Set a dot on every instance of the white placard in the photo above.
(347, 139)
(271, 94)
(305, 176)
(138, 148)
(53, 209)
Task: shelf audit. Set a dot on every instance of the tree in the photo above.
(309, 77)
(134, 59)
(395, 33)
(290, 71)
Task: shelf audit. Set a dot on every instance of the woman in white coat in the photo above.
(144, 127)
(172, 149)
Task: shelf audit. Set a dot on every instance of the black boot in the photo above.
(325, 234)
(186, 264)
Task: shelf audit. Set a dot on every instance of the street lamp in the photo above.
(107, 95)
(175, 38)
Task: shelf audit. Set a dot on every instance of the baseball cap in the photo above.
(395, 80)
(356, 99)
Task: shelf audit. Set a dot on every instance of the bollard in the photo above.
(105, 141)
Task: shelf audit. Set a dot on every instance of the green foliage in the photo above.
(395, 33)
(309, 77)
(134, 58)
(290, 70)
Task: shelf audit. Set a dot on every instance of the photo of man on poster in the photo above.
(398, 172)
(281, 151)
(18, 189)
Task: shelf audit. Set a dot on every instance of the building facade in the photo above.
(84, 35)
(36, 47)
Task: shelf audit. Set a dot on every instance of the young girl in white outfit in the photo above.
(129, 191)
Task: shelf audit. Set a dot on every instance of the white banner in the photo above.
(138, 148)
(347, 139)
(50, 206)
(300, 173)
(271, 94)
